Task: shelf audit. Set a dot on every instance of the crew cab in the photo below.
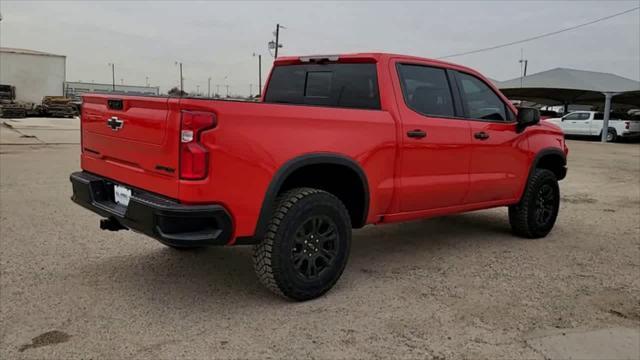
(590, 123)
(335, 143)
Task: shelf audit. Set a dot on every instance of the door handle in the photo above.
(481, 135)
(417, 133)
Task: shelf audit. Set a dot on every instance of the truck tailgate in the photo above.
(133, 140)
(633, 125)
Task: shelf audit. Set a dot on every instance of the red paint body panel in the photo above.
(447, 171)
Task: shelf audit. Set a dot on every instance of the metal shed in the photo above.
(35, 74)
(564, 86)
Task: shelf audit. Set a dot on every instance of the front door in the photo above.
(435, 153)
(499, 155)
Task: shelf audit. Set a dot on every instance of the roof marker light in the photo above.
(319, 58)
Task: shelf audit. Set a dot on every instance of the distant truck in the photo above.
(336, 142)
(589, 123)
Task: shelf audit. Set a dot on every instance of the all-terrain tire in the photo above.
(290, 238)
(536, 213)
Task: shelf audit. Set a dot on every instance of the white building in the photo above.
(35, 74)
(75, 89)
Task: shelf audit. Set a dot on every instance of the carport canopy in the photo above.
(563, 86)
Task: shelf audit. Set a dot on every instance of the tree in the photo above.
(177, 92)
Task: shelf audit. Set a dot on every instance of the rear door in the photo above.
(133, 140)
(499, 154)
(435, 153)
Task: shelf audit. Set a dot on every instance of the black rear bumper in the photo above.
(163, 219)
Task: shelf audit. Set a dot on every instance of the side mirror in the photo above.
(527, 117)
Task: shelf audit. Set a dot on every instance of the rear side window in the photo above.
(426, 90)
(479, 100)
(336, 85)
(612, 116)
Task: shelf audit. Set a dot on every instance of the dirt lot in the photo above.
(455, 287)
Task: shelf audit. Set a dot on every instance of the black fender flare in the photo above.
(544, 152)
(288, 168)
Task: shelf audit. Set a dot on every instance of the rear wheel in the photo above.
(536, 213)
(306, 246)
(612, 135)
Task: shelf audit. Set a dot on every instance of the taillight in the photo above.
(194, 158)
(627, 125)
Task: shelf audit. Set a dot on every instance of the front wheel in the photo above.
(536, 213)
(306, 246)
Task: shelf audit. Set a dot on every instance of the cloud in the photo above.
(218, 39)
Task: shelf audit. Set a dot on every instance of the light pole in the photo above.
(181, 78)
(209, 87)
(113, 76)
(217, 90)
(198, 90)
(259, 73)
(225, 84)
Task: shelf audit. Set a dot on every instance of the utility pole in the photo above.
(209, 87)
(218, 89)
(523, 62)
(227, 90)
(181, 78)
(250, 90)
(113, 76)
(276, 45)
(277, 39)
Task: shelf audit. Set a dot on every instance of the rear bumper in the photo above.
(630, 134)
(164, 219)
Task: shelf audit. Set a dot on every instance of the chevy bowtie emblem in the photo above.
(114, 123)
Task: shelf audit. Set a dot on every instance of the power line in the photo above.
(540, 36)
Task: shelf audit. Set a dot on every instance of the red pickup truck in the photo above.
(336, 142)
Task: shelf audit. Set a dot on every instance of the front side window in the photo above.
(480, 101)
(335, 85)
(577, 116)
(426, 90)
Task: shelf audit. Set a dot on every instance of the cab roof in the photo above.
(377, 57)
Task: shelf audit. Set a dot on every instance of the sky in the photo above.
(218, 39)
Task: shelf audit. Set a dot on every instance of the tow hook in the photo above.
(111, 224)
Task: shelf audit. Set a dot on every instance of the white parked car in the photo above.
(589, 123)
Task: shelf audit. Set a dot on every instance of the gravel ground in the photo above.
(455, 287)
